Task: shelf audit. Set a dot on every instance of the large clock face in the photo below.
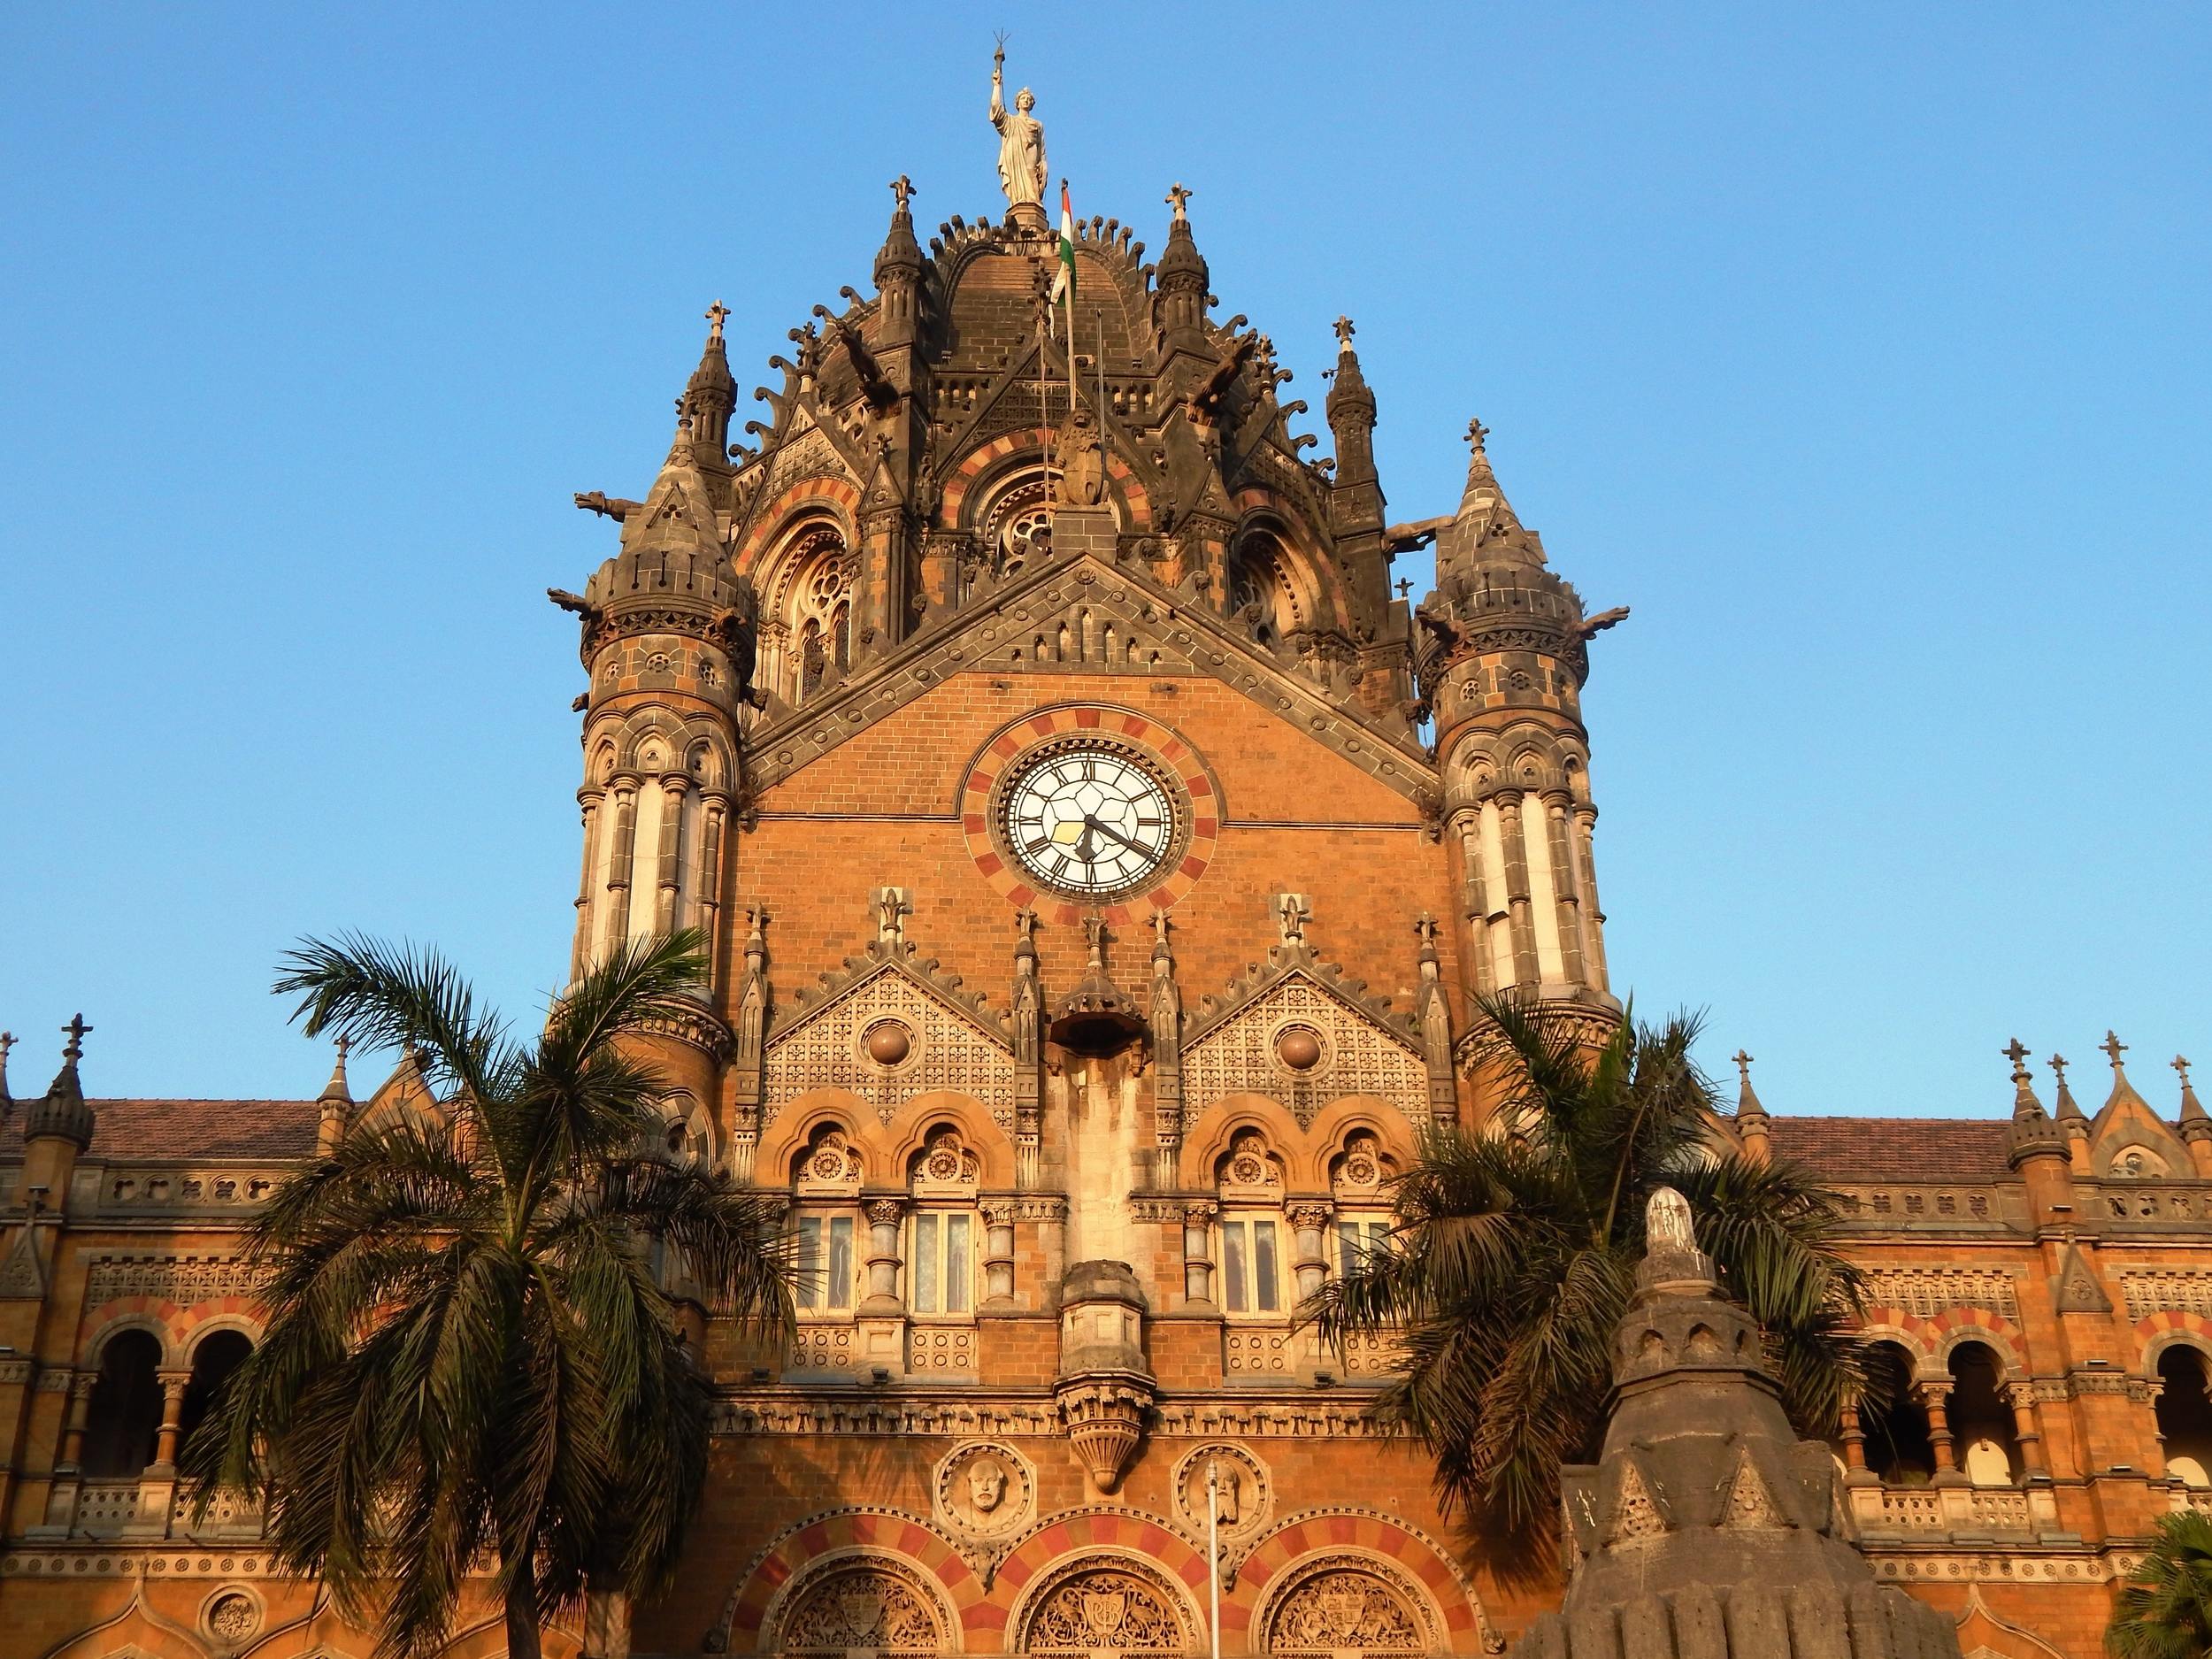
(1088, 820)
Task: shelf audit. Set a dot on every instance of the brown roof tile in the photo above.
(243, 1129)
(1895, 1148)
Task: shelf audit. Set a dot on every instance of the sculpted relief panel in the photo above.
(867, 1605)
(1344, 1605)
(940, 1048)
(1345, 1053)
(984, 1492)
(1112, 1607)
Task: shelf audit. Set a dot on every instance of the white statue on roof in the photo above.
(1021, 139)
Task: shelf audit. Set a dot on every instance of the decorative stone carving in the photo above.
(1249, 1164)
(1116, 1607)
(1925, 1292)
(1245, 1494)
(843, 1037)
(1357, 1173)
(984, 1492)
(830, 1165)
(1239, 1045)
(1342, 1605)
(878, 1606)
(232, 1616)
(186, 1281)
(1104, 1422)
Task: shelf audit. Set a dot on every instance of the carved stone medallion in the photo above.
(983, 1493)
(232, 1616)
(1243, 1493)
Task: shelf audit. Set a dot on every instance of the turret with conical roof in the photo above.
(1707, 1526)
(57, 1127)
(1501, 664)
(334, 1108)
(2196, 1123)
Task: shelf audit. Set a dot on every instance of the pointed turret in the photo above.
(2033, 1133)
(1355, 493)
(711, 395)
(1705, 1513)
(2196, 1126)
(2121, 1089)
(334, 1107)
(61, 1114)
(7, 1042)
(1180, 281)
(2072, 1122)
(899, 273)
(1751, 1123)
(1485, 530)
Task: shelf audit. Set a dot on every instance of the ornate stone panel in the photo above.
(1928, 1291)
(868, 1604)
(1342, 1605)
(1108, 1606)
(2147, 1293)
(1246, 1496)
(1244, 1054)
(183, 1280)
(945, 1049)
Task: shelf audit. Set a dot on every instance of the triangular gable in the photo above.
(952, 1041)
(1366, 1048)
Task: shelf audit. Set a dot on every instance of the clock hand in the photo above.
(1142, 852)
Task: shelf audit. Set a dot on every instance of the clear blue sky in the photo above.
(1862, 351)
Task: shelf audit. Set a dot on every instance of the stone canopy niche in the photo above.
(1105, 1385)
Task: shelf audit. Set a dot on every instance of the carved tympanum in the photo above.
(1344, 1606)
(868, 1605)
(1106, 1610)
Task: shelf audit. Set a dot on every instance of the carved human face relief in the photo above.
(983, 1493)
(987, 1484)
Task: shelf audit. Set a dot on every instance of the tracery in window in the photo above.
(825, 1227)
(943, 1231)
(1253, 1270)
(818, 613)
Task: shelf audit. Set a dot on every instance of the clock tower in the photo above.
(1099, 864)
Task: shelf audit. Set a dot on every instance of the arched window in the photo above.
(219, 1354)
(826, 1182)
(944, 1231)
(1358, 1178)
(1254, 1268)
(818, 613)
(1981, 1419)
(1899, 1448)
(125, 1419)
(2185, 1416)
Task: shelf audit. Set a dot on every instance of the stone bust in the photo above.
(987, 1484)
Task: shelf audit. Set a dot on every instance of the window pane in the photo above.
(955, 1263)
(1232, 1265)
(925, 1265)
(1264, 1267)
(840, 1262)
(810, 1263)
(1347, 1246)
(1378, 1234)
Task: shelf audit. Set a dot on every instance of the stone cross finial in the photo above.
(344, 1045)
(2180, 1062)
(2113, 1048)
(1292, 910)
(1477, 432)
(1159, 928)
(1094, 930)
(1344, 332)
(902, 190)
(891, 909)
(1425, 926)
(1177, 195)
(1743, 1066)
(716, 313)
(2017, 1051)
(73, 1049)
(1026, 927)
(2058, 1062)
(1405, 586)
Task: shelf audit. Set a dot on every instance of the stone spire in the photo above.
(2066, 1108)
(62, 1113)
(2121, 1089)
(1356, 496)
(334, 1105)
(899, 273)
(1180, 281)
(2033, 1133)
(1707, 1526)
(711, 395)
(1751, 1122)
(7, 1042)
(1485, 530)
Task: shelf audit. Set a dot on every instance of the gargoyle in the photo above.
(1205, 402)
(607, 506)
(1403, 538)
(737, 626)
(575, 603)
(874, 385)
(1598, 623)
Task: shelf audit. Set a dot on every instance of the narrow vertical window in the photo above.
(840, 1262)
(924, 1264)
(1232, 1268)
(956, 1264)
(1263, 1297)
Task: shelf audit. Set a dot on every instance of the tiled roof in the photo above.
(1895, 1148)
(245, 1129)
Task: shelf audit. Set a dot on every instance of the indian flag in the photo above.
(1063, 278)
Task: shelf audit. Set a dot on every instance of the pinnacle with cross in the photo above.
(1159, 928)
(1405, 586)
(1477, 432)
(1291, 909)
(902, 191)
(1094, 930)
(716, 313)
(344, 1045)
(2180, 1062)
(1344, 333)
(2058, 1062)
(1425, 926)
(1743, 1066)
(1177, 195)
(74, 1049)
(2113, 1048)
(2016, 1052)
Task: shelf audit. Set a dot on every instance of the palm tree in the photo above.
(1514, 1253)
(2164, 1610)
(469, 1360)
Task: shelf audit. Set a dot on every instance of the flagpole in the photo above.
(1098, 335)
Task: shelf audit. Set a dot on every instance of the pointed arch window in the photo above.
(826, 1224)
(943, 1230)
(1255, 1268)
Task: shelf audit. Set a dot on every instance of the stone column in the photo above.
(998, 1254)
(1526, 974)
(80, 1388)
(580, 955)
(708, 901)
(1198, 1260)
(2146, 1391)
(1476, 902)
(1592, 915)
(1565, 888)
(619, 861)
(1935, 1398)
(1853, 1434)
(174, 1383)
(884, 1215)
(1309, 1223)
(668, 901)
(2026, 1429)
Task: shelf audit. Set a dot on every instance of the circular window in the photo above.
(1089, 817)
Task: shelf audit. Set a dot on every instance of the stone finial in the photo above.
(2064, 1106)
(1293, 911)
(892, 909)
(1476, 432)
(902, 191)
(73, 1049)
(7, 1042)
(337, 1092)
(2113, 1048)
(1748, 1106)
(1177, 197)
(1667, 1222)
(2024, 1102)
(716, 313)
(2192, 1109)
(62, 1113)
(1344, 333)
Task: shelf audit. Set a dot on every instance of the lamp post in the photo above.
(1213, 1553)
